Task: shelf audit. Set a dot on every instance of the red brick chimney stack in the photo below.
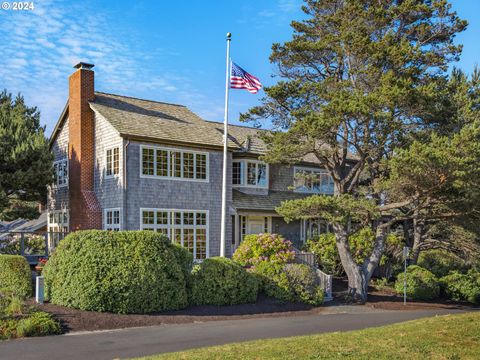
(84, 210)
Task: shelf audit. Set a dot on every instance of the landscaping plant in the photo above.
(290, 282)
(15, 276)
(256, 248)
(421, 284)
(221, 281)
(462, 287)
(118, 271)
(441, 262)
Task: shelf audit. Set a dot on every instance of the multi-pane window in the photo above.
(111, 219)
(313, 181)
(250, 173)
(188, 228)
(60, 173)
(178, 164)
(57, 226)
(112, 161)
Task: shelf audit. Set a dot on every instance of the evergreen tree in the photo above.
(25, 158)
(358, 78)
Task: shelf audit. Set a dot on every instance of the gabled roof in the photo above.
(155, 121)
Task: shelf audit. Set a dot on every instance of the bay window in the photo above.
(250, 173)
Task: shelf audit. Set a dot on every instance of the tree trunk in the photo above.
(357, 284)
(418, 230)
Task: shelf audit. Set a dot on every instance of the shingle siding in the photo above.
(290, 231)
(109, 190)
(281, 177)
(58, 197)
(178, 194)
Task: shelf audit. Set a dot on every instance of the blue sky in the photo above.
(166, 51)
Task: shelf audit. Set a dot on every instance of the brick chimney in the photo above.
(85, 212)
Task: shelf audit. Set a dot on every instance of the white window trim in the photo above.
(169, 227)
(310, 169)
(106, 163)
(56, 185)
(244, 174)
(112, 225)
(207, 168)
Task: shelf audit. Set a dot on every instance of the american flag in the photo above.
(240, 79)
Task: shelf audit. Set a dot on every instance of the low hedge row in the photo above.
(421, 284)
(15, 276)
(462, 287)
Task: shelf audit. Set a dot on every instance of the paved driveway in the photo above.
(167, 338)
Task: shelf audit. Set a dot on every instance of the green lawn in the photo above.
(442, 337)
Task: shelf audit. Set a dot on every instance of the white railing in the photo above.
(324, 280)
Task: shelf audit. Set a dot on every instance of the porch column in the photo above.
(237, 230)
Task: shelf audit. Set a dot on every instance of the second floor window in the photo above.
(112, 161)
(316, 181)
(60, 173)
(172, 163)
(250, 173)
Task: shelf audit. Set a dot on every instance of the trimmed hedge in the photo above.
(462, 287)
(291, 282)
(421, 284)
(441, 262)
(220, 281)
(15, 276)
(118, 271)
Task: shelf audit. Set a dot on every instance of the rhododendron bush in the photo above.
(256, 248)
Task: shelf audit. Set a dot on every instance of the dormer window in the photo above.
(250, 173)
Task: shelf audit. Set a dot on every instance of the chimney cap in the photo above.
(84, 65)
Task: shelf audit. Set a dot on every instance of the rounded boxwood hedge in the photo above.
(121, 272)
(290, 282)
(220, 281)
(15, 276)
(421, 284)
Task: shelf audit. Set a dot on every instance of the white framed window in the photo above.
(60, 173)
(250, 173)
(254, 224)
(112, 219)
(170, 163)
(311, 228)
(316, 181)
(112, 162)
(57, 226)
(188, 228)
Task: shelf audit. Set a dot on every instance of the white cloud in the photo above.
(40, 47)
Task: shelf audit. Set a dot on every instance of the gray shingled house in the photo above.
(123, 163)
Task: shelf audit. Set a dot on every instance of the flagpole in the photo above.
(225, 153)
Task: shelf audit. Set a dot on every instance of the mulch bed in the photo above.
(79, 320)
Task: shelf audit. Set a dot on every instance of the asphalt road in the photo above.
(135, 342)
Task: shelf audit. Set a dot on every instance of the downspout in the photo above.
(125, 192)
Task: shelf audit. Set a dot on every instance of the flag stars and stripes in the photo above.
(240, 79)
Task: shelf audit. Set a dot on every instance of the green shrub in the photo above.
(221, 281)
(33, 244)
(15, 276)
(37, 324)
(462, 287)
(256, 248)
(421, 284)
(290, 282)
(121, 272)
(15, 307)
(440, 262)
(326, 254)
